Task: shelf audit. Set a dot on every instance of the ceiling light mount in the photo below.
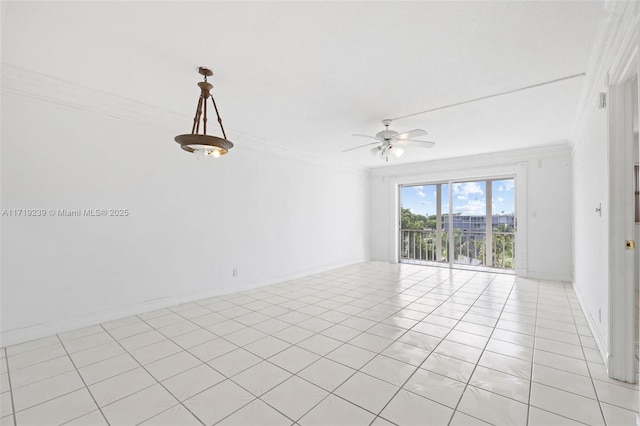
(203, 144)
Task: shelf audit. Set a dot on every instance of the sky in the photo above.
(469, 198)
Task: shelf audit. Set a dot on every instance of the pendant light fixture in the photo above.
(202, 144)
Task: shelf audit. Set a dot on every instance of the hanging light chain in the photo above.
(196, 119)
(219, 119)
(204, 101)
(202, 105)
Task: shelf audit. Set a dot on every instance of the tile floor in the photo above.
(370, 344)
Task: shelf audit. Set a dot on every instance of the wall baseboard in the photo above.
(544, 276)
(602, 347)
(37, 331)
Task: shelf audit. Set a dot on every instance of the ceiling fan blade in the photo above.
(365, 136)
(360, 146)
(411, 134)
(413, 142)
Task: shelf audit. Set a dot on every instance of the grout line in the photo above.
(595, 391)
(483, 349)
(237, 347)
(83, 382)
(157, 382)
(441, 338)
(30, 350)
(13, 406)
(68, 356)
(44, 378)
(35, 363)
(533, 350)
(329, 393)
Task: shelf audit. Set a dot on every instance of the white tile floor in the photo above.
(369, 344)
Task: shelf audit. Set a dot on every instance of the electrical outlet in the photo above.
(599, 315)
(235, 272)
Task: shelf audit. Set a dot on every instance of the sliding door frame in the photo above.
(517, 172)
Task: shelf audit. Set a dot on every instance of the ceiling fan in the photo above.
(390, 141)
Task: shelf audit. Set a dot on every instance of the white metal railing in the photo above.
(423, 245)
(469, 247)
(504, 250)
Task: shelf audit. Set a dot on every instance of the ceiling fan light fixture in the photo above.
(202, 144)
(397, 151)
(387, 141)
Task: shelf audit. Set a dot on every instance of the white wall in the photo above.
(271, 215)
(549, 218)
(590, 189)
(636, 161)
(543, 203)
(612, 62)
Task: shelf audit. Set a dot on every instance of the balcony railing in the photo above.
(470, 247)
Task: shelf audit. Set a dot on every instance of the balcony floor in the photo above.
(462, 266)
(369, 344)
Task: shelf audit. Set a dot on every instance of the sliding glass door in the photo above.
(422, 236)
(468, 223)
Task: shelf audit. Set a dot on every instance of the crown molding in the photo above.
(616, 37)
(502, 158)
(262, 146)
(45, 88)
(42, 87)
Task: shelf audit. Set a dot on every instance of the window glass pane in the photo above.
(418, 206)
(503, 223)
(469, 201)
(503, 205)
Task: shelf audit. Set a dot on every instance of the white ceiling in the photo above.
(306, 75)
